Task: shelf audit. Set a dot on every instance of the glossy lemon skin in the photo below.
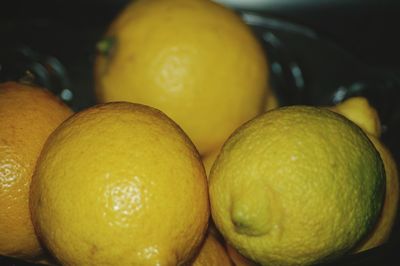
(28, 115)
(120, 184)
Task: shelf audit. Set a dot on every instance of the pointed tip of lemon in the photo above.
(105, 45)
(251, 215)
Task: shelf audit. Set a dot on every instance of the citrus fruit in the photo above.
(209, 159)
(295, 186)
(212, 253)
(271, 101)
(237, 258)
(383, 228)
(197, 61)
(358, 110)
(28, 115)
(362, 113)
(120, 184)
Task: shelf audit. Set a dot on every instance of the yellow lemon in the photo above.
(383, 228)
(358, 110)
(196, 60)
(295, 186)
(28, 115)
(209, 158)
(362, 113)
(212, 253)
(120, 184)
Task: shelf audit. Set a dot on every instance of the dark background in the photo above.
(357, 41)
(69, 30)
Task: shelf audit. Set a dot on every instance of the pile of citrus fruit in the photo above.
(187, 159)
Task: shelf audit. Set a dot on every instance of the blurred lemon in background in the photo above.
(271, 101)
(28, 115)
(358, 110)
(296, 186)
(197, 61)
(120, 184)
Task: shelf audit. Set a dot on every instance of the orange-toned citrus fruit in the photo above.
(28, 115)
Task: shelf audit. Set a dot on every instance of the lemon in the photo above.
(237, 258)
(362, 113)
(196, 60)
(209, 159)
(383, 228)
(271, 101)
(120, 184)
(358, 110)
(212, 253)
(28, 115)
(295, 186)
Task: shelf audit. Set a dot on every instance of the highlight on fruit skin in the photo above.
(197, 61)
(120, 184)
(283, 193)
(28, 115)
